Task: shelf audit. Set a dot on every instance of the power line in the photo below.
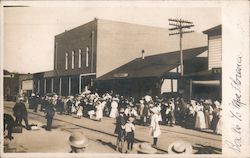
(180, 26)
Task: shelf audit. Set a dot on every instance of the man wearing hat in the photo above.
(78, 142)
(50, 112)
(20, 112)
(119, 130)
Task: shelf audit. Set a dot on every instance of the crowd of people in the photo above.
(128, 112)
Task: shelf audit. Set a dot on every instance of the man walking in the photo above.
(50, 112)
(120, 131)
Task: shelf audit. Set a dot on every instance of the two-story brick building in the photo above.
(91, 50)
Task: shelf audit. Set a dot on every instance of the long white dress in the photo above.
(219, 125)
(200, 118)
(114, 110)
(155, 130)
(79, 111)
(99, 111)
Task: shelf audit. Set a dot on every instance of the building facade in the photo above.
(208, 83)
(11, 85)
(91, 50)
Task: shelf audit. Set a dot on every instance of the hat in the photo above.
(145, 148)
(217, 104)
(121, 110)
(193, 102)
(115, 99)
(180, 147)
(78, 140)
(131, 119)
(33, 94)
(147, 98)
(141, 101)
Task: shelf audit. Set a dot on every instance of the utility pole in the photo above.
(180, 25)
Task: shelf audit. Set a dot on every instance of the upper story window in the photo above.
(73, 60)
(80, 58)
(87, 56)
(66, 61)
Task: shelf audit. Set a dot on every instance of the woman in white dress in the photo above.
(200, 118)
(155, 130)
(219, 124)
(99, 110)
(114, 110)
(79, 111)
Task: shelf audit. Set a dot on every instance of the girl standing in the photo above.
(155, 130)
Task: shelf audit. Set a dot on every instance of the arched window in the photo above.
(66, 61)
(80, 59)
(87, 56)
(73, 60)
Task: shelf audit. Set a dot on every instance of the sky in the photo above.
(29, 31)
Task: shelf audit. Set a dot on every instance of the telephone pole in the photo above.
(180, 25)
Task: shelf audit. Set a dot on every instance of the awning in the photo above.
(210, 82)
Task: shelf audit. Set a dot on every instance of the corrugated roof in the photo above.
(152, 66)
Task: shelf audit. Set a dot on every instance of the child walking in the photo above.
(129, 129)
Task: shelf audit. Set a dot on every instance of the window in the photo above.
(87, 56)
(80, 58)
(66, 61)
(73, 60)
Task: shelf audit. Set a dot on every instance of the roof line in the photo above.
(173, 52)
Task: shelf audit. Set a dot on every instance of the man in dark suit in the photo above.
(50, 112)
(119, 130)
(8, 124)
(20, 112)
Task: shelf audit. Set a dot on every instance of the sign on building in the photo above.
(27, 85)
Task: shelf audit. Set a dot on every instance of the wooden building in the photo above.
(208, 83)
(155, 75)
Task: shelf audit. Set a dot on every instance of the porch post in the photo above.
(52, 85)
(38, 86)
(69, 85)
(190, 88)
(80, 86)
(45, 86)
(60, 86)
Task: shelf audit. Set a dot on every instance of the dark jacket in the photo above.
(120, 121)
(50, 111)
(20, 110)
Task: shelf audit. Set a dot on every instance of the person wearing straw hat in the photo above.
(129, 129)
(145, 148)
(119, 130)
(155, 130)
(78, 142)
(180, 147)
